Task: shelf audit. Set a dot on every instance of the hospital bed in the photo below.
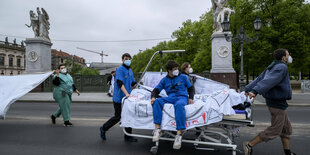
(213, 121)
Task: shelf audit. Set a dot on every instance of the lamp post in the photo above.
(241, 38)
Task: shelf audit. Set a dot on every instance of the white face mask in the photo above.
(175, 73)
(190, 70)
(290, 60)
(64, 70)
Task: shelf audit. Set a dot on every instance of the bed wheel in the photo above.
(154, 150)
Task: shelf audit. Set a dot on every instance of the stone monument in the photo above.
(38, 49)
(222, 70)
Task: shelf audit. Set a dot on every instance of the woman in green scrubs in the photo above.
(63, 89)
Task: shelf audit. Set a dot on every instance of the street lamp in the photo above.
(241, 37)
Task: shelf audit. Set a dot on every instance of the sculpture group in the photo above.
(220, 13)
(39, 23)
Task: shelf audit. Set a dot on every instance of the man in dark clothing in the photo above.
(124, 80)
(274, 85)
(110, 83)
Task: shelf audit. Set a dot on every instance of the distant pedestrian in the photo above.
(63, 89)
(274, 85)
(110, 83)
(124, 80)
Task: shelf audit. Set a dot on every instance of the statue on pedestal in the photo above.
(39, 23)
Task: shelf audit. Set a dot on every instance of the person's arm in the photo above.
(157, 90)
(76, 90)
(56, 79)
(251, 85)
(270, 80)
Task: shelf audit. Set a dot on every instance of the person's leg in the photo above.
(57, 113)
(179, 111)
(115, 119)
(285, 135)
(112, 121)
(180, 119)
(273, 131)
(158, 106)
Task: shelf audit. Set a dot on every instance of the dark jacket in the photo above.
(274, 85)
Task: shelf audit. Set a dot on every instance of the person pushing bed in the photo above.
(180, 93)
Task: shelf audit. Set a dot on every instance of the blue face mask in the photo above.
(127, 62)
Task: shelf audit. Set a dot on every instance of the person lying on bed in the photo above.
(180, 93)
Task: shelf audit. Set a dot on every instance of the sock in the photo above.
(287, 152)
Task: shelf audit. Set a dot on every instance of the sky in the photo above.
(101, 20)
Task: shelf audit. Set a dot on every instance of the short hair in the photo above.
(61, 65)
(126, 55)
(171, 64)
(112, 72)
(279, 53)
(184, 66)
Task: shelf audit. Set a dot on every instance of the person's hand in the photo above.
(251, 95)
(57, 72)
(127, 95)
(78, 92)
(152, 100)
(190, 101)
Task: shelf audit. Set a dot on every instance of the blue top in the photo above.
(274, 85)
(126, 76)
(176, 86)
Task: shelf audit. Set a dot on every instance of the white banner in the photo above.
(14, 87)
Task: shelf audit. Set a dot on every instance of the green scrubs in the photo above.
(62, 95)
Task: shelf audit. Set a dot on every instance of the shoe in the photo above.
(130, 139)
(109, 94)
(67, 123)
(102, 134)
(247, 149)
(156, 135)
(177, 142)
(53, 119)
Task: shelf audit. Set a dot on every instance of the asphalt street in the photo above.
(28, 130)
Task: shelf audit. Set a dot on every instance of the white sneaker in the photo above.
(177, 142)
(156, 135)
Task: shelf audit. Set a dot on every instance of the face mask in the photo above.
(190, 70)
(290, 60)
(175, 73)
(64, 71)
(127, 62)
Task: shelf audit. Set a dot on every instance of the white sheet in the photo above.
(137, 110)
(14, 87)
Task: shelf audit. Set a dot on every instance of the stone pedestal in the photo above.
(222, 70)
(38, 55)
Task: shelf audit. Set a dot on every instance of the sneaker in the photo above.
(156, 135)
(53, 119)
(177, 142)
(247, 149)
(109, 94)
(67, 123)
(102, 134)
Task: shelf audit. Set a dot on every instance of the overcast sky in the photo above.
(101, 20)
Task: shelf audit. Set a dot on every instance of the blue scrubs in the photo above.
(176, 89)
(126, 76)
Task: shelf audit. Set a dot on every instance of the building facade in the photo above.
(60, 57)
(12, 58)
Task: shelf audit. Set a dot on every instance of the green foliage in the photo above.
(286, 24)
(79, 69)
